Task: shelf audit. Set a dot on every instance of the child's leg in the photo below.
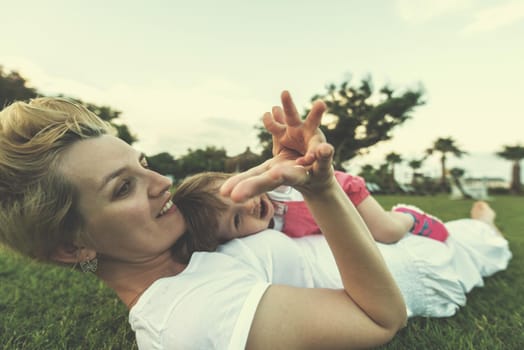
(385, 227)
(389, 226)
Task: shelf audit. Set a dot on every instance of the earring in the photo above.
(89, 265)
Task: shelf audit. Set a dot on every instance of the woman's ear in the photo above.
(69, 253)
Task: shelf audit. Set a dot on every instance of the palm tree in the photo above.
(392, 159)
(368, 172)
(445, 146)
(515, 154)
(415, 164)
(456, 174)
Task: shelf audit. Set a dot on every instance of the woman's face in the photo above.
(126, 207)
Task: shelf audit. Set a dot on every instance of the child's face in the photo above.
(243, 219)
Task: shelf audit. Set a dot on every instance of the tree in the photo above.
(392, 159)
(514, 154)
(242, 161)
(266, 142)
(113, 117)
(383, 175)
(200, 160)
(124, 133)
(163, 163)
(358, 118)
(13, 87)
(376, 175)
(362, 118)
(456, 175)
(368, 172)
(415, 164)
(445, 146)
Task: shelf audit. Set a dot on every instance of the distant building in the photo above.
(242, 161)
(489, 182)
(476, 188)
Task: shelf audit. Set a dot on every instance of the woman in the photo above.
(71, 192)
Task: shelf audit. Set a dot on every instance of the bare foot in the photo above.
(483, 212)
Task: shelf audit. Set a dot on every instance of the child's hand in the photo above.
(313, 177)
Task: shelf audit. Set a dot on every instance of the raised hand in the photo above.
(294, 138)
(302, 158)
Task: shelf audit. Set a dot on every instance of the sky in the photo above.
(191, 74)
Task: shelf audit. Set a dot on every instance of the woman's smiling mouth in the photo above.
(169, 204)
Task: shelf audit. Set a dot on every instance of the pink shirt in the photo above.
(299, 222)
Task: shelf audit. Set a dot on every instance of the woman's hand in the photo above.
(370, 298)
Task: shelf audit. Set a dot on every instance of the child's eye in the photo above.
(236, 220)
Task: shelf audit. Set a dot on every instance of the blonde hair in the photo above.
(37, 203)
(198, 200)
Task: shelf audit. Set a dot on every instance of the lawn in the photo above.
(46, 307)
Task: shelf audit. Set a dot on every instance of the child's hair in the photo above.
(38, 209)
(198, 200)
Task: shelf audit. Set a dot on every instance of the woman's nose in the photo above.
(158, 183)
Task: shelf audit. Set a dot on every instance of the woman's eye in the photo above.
(236, 220)
(123, 189)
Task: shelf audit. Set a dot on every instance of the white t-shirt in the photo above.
(211, 304)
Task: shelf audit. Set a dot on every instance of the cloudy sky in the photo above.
(187, 74)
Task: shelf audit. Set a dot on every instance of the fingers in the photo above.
(314, 117)
(320, 152)
(272, 125)
(280, 171)
(324, 157)
(228, 186)
(253, 186)
(282, 174)
(278, 114)
(309, 157)
(291, 134)
(290, 111)
(275, 128)
(279, 118)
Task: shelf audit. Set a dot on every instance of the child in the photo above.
(212, 219)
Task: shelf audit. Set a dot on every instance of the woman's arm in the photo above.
(370, 309)
(345, 228)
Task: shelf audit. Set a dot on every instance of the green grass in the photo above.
(493, 317)
(46, 307)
